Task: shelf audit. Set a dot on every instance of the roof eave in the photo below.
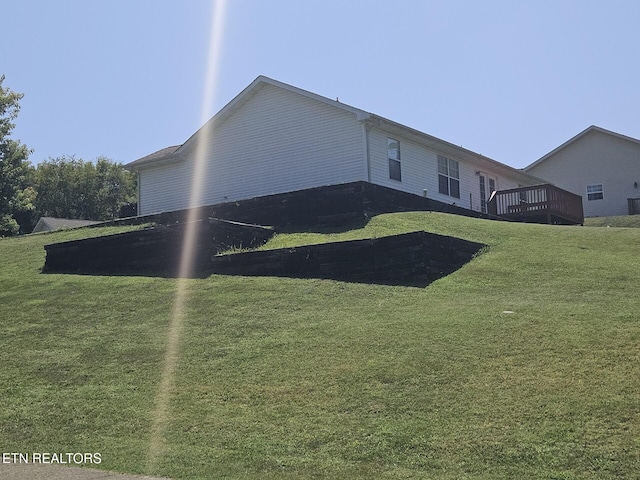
(592, 128)
(153, 162)
(461, 153)
(252, 89)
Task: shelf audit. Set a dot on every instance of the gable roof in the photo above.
(164, 154)
(173, 154)
(253, 88)
(572, 140)
(48, 224)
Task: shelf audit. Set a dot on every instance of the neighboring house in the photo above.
(601, 166)
(275, 138)
(48, 224)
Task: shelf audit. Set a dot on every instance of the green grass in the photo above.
(286, 378)
(632, 221)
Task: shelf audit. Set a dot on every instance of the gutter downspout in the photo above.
(367, 152)
(138, 192)
(367, 124)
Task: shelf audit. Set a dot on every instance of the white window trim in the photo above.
(448, 176)
(596, 188)
(394, 158)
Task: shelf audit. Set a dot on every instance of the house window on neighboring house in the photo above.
(448, 177)
(393, 153)
(595, 192)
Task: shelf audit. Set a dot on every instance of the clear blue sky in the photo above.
(509, 79)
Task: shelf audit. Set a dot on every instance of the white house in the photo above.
(601, 166)
(275, 138)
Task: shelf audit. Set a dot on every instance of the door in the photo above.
(487, 187)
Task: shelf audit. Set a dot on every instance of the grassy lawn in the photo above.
(632, 221)
(525, 363)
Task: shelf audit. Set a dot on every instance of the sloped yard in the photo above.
(525, 363)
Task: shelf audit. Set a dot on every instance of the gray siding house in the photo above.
(601, 166)
(276, 138)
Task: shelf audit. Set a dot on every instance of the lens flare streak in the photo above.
(161, 416)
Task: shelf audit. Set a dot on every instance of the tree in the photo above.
(73, 188)
(16, 195)
(116, 188)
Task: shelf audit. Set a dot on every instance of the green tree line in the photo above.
(63, 187)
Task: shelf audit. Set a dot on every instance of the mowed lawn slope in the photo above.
(525, 363)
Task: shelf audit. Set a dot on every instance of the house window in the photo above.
(393, 153)
(595, 192)
(448, 177)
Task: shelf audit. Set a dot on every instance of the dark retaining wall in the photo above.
(327, 206)
(404, 259)
(331, 205)
(155, 250)
(413, 259)
(378, 199)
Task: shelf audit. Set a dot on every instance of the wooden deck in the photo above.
(537, 204)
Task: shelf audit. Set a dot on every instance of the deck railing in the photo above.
(539, 203)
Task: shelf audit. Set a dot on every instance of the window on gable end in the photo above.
(393, 154)
(595, 192)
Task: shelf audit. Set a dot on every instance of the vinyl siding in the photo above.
(277, 141)
(420, 171)
(163, 188)
(596, 158)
